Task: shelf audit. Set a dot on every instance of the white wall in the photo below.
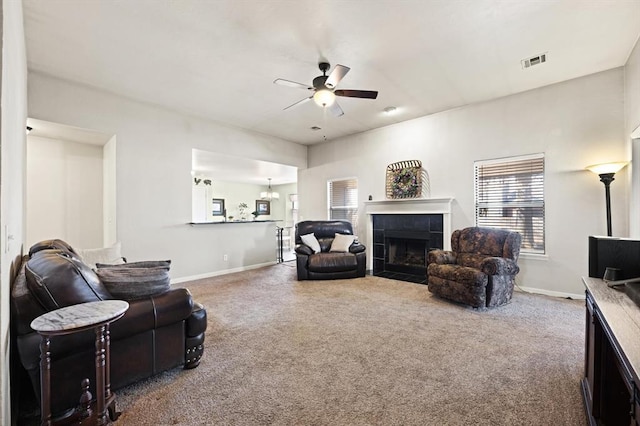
(632, 121)
(64, 192)
(154, 173)
(109, 193)
(575, 123)
(13, 118)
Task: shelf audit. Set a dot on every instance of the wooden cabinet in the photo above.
(612, 356)
(590, 383)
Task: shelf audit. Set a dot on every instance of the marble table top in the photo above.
(79, 316)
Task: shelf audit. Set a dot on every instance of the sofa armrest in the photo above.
(304, 249)
(442, 257)
(499, 266)
(153, 312)
(197, 321)
(357, 248)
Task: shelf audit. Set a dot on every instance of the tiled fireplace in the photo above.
(400, 233)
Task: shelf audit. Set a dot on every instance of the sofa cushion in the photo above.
(311, 241)
(57, 279)
(332, 262)
(136, 282)
(341, 242)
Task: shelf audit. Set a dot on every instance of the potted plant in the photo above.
(242, 207)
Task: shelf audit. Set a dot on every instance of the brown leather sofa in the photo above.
(155, 334)
(326, 264)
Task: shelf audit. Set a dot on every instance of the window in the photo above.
(509, 194)
(343, 200)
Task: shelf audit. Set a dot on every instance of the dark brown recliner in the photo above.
(326, 264)
(155, 334)
(480, 269)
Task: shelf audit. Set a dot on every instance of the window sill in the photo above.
(534, 256)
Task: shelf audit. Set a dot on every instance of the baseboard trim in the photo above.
(550, 293)
(221, 272)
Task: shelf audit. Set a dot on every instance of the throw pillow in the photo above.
(342, 242)
(110, 254)
(135, 283)
(141, 264)
(311, 241)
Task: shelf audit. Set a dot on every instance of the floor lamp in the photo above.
(606, 172)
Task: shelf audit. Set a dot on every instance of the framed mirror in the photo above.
(217, 207)
(263, 207)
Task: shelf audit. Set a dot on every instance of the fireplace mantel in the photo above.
(409, 206)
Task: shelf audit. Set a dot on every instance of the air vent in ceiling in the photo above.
(534, 60)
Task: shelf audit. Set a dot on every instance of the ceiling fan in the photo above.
(324, 88)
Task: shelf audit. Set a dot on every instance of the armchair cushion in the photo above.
(442, 257)
(332, 262)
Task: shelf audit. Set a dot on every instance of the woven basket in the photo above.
(406, 179)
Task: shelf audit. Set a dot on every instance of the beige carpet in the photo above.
(368, 351)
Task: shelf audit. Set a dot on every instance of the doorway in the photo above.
(70, 185)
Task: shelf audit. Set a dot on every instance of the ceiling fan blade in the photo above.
(338, 73)
(300, 102)
(289, 83)
(335, 110)
(366, 94)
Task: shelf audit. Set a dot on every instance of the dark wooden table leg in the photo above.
(45, 381)
(100, 375)
(109, 396)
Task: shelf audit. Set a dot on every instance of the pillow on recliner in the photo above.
(311, 241)
(342, 242)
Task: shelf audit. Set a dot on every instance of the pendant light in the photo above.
(270, 194)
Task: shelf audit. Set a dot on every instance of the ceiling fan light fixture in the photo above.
(324, 98)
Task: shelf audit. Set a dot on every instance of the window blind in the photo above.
(509, 194)
(343, 200)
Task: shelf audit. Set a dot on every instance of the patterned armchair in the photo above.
(479, 270)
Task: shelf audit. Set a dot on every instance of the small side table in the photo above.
(74, 319)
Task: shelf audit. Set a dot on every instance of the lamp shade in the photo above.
(607, 167)
(324, 98)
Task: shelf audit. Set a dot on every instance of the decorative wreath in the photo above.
(404, 179)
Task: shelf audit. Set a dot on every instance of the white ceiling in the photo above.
(217, 59)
